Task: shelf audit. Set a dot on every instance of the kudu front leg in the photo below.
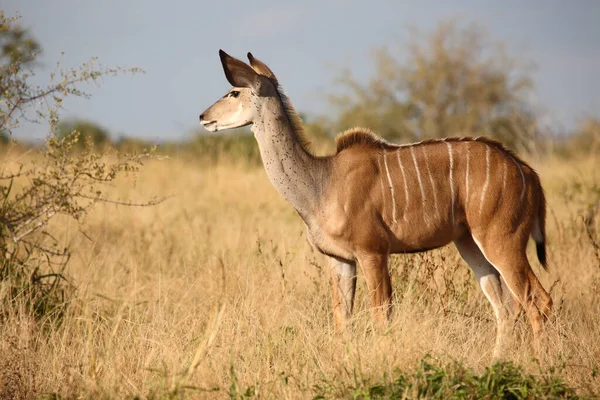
(343, 282)
(375, 269)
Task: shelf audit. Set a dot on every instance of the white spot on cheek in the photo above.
(235, 117)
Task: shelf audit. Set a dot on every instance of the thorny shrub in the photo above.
(59, 180)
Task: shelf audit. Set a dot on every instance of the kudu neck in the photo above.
(295, 173)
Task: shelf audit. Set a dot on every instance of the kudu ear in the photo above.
(261, 68)
(238, 73)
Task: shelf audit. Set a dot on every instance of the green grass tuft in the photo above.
(502, 380)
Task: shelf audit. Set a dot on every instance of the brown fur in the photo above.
(359, 136)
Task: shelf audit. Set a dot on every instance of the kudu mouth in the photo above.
(210, 125)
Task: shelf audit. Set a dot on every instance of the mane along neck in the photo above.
(293, 119)
(359, 136)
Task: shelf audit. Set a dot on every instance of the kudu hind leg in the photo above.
(511, 261)
(343, 282)
(489, 280)
(510, 302)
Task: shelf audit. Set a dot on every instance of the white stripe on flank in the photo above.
(504, 176)
(451, 178)
(467, 174)
(487, 177)
(382, 187)
(522, 178)
(387, 170)
(435, 202)
(405, 185)
(412, 151)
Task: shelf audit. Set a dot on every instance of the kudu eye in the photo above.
(234, 93)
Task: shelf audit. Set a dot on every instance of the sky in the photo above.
(305, 42)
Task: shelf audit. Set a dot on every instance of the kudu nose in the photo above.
(201, 116)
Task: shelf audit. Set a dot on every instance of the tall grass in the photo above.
(216, 293)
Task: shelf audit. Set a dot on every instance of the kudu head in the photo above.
(252, 85)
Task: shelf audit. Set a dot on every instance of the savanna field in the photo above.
(216, 293)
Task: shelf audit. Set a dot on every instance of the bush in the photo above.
(59, 181)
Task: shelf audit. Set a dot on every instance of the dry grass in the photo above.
(216, 292)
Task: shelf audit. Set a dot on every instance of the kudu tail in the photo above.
(539, 226)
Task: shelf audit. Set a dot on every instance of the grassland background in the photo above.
(221, 276)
